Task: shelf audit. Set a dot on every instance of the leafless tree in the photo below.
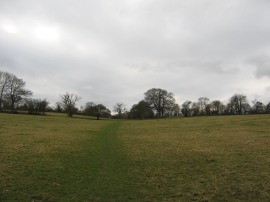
(267, 108)
(186, 108)
(217, 107)
(195, 109)
(239, 104)
(258, 107)
(119, 108)
(175, 110)
(69, 103)
(15, 91)
(58, 107)
(203, 102)
(36, 106)
(43, 105)
(160, 100)
(4, 79)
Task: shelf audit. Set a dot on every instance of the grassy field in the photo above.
(55, 158)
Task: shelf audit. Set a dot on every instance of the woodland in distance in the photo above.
(15, 98)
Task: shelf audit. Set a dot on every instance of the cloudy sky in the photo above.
(114, 51)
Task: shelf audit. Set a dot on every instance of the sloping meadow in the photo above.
(201, 159)
(45, 157)
(56, 158)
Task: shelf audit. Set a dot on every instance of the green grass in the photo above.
(55, 158)
(202, 159)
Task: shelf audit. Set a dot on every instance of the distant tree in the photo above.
(258, 107)
(195, 109)
(119, 108)
(236, 103)
(208, 111)
(31, 106)
(267, 108)
(160, 100)
(49, 108)
(97, 110)
(104, 112)
(175, 110)
(43, 105)
(229, 109)
(69, 103)
(203, 102)
(36, 106)
(58, 107)
(217, 107)
(186, 108)
(89, 109)
(141, 110)
(239, 104)
(15, 91)
(4, 81)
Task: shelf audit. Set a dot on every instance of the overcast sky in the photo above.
(113, 51)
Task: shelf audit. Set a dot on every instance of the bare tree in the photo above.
(43, 105)
(203, 102)
(32, 106)
(267, 108)
(15, 91)
(36, 106)
(69, 103)
(217, 107)
(160, 100)
(195, 109)
(119, 108)
(186, 108)
(258, 107)
(4, 79)
(58, 107)
(239, 104)
(175, 110)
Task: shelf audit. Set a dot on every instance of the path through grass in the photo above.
(60, 159)
(55, 158)
(110, 167)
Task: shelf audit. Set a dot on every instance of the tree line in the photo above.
(161, 103)
(157, 102)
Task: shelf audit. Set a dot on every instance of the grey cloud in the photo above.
(110, 51)
(262, 65)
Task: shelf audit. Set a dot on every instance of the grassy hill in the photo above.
(55, 158)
